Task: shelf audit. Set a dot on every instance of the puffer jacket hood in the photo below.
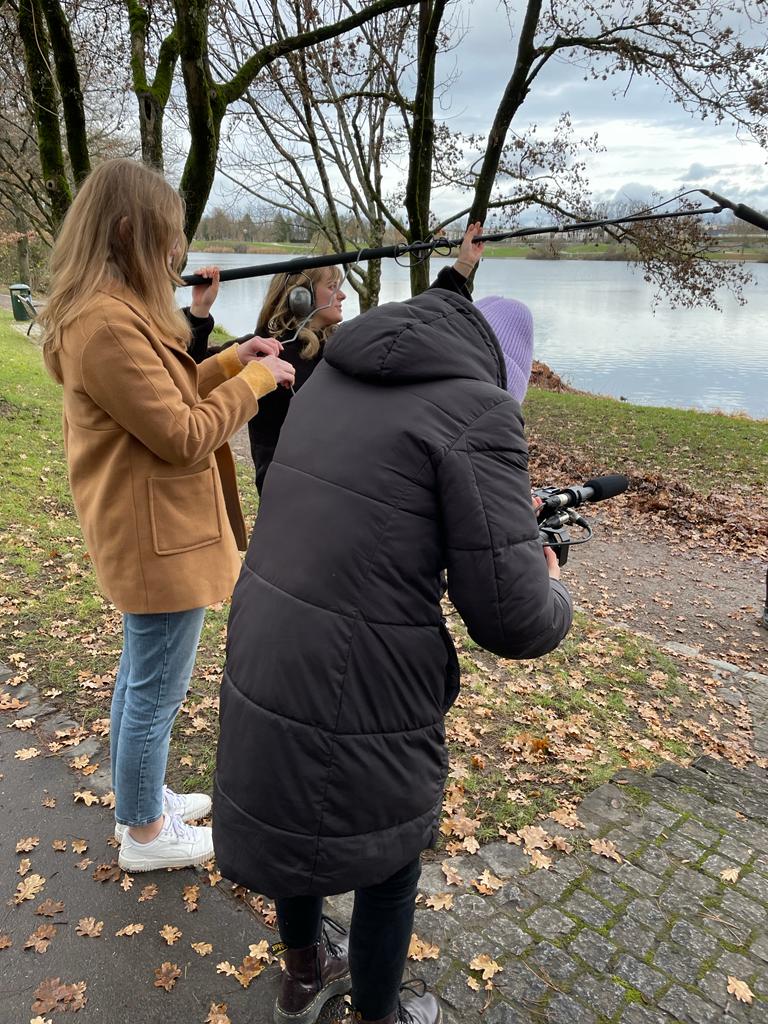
(435, 336)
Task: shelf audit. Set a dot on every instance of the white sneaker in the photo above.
(187, 806)
(177, 845)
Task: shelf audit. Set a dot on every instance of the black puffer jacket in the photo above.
(402, 456)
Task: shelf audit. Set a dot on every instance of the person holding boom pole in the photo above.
(403, 457)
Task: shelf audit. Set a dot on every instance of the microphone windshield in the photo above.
(608, 486)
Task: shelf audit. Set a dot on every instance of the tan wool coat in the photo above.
(151, 473)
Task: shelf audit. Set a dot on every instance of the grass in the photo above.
(705, 450)
(525, 737)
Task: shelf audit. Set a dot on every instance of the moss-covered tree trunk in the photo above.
(37, 59)
(419, 186)
(70, 91)
(152, 97)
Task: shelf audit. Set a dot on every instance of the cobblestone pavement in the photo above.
(651, 940)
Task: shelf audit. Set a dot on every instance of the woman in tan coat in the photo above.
(152, 476)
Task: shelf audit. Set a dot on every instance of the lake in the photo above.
(595, 325)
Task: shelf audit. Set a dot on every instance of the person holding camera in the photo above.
(332, 761)
(151, 474)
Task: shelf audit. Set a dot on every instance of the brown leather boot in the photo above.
(417, 1006)
(312, 976)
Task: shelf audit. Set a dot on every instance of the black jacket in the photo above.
(402, 456)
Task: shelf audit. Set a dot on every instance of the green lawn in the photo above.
(704, 450)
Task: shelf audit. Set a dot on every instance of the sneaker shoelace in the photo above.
(173, 802)
(180, 829)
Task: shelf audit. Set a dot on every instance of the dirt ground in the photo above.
(635, 575)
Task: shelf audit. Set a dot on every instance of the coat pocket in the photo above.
(184, 512)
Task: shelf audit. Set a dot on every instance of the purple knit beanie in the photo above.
(512, 324)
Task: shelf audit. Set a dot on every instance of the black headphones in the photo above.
(301, 300)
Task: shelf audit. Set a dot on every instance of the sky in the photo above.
(650, 144)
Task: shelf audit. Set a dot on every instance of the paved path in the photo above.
(650, 940)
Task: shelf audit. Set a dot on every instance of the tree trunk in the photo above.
(70, 90)
(37, 52)
(151, 112)
(514, 95)
(22, 249)
(204, 107)
(419, 186)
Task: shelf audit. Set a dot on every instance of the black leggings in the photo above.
(379, 936)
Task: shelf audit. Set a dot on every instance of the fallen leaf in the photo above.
(89, 927)
(59, 845)
(166, 975)
(540, 860)
(126, 883)
(202, 948)
(260, 951)
(28, 888)
(535, 838)
(170, 934)
(474, 984)
(486, 965)
(470, 844)
(559, 843)
(218, 1014)
(79, 845)
(421, 950)
(107, 872)
(605, 848)
(50, 907)
(452, 876)
(130, 929)
(190, 896)
(26, 753)
(108, 800)
(148, 893)
(730, 874)
(487, 883)
(22, 724)
(84, 864)
(740, 989)
(40, 938)
(86, 796)
(24, 865)
(440, 901)
(49, 801)
(5, 941)
(50, 994)
(25, 845)
(225, 967)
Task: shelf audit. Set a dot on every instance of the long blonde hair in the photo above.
(120, 229)
(276, 318)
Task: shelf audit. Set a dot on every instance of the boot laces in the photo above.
(328, 923)
(419, 988)
(180, 829)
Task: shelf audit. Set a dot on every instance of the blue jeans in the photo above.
(152, 680)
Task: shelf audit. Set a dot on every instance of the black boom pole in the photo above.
(445, 245)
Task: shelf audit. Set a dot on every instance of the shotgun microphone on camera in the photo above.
(599, 489)
(759, 220)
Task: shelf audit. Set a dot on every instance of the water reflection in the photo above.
(595, 326)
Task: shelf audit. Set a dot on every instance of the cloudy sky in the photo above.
(650, 143)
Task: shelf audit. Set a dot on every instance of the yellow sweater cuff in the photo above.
(258, 377)
(229, 361)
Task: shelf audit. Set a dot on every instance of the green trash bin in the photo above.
(21, 310)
